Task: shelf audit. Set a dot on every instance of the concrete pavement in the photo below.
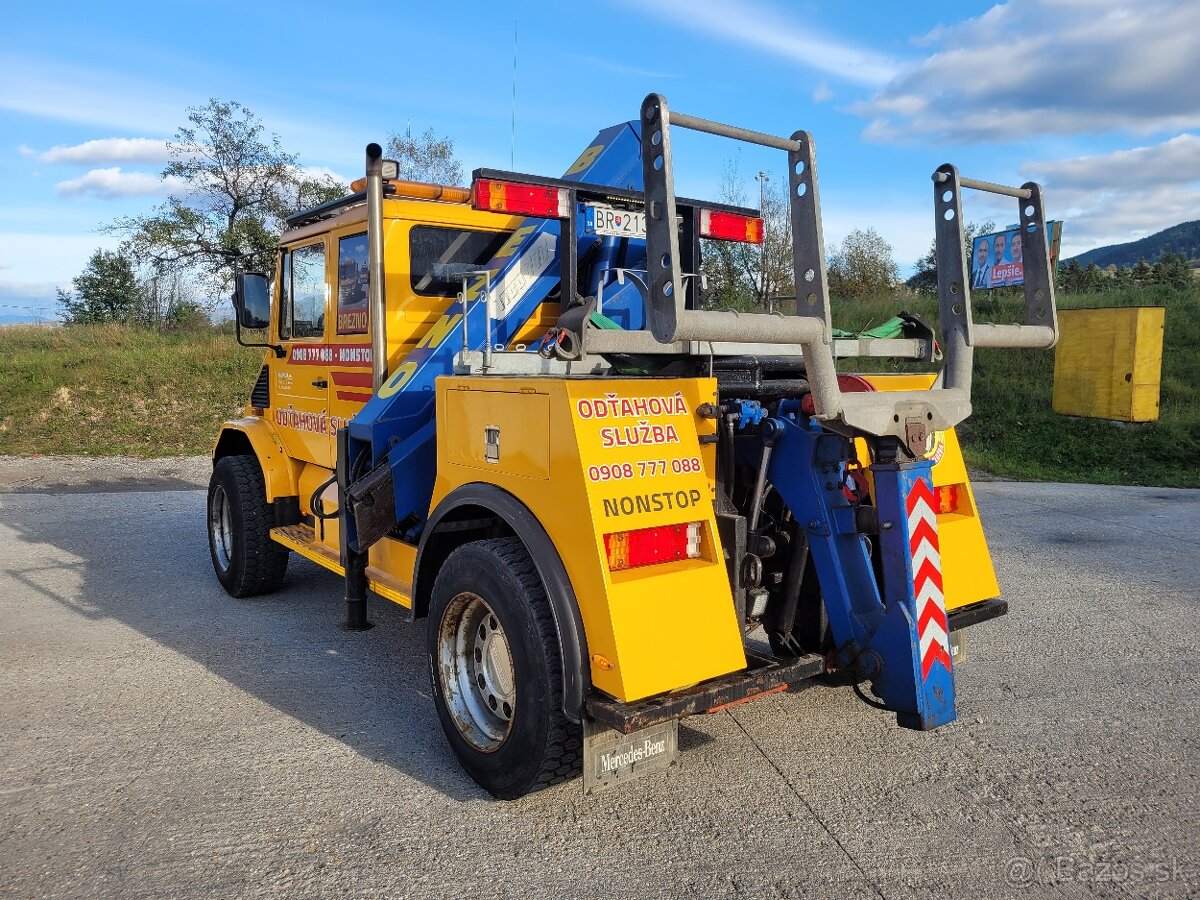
(162, 739)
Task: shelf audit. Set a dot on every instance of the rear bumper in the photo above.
(765, 675)
(977, 612)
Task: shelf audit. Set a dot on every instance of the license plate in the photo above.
(600, 219)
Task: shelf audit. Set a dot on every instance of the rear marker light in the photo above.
(521, 199)
(650, 546)
(947, 499)
(724, 226)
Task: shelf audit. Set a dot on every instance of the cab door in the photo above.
(301, 378)
(350, 383)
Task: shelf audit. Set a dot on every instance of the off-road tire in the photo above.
(541, 746)
(246, 560)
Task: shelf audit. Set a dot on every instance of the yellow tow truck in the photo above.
(509, 410)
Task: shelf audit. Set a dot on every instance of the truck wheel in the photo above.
(496, 670)
(246, 560)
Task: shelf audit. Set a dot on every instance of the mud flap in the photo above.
(958, 648)
(611, 758)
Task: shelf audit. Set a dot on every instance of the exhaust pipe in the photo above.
(375, 288)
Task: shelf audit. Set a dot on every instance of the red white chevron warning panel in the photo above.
(932, 628)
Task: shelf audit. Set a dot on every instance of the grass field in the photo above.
(1013, 431)
(108, 390)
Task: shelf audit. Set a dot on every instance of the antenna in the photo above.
(512, 159)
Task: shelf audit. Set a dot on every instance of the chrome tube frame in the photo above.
(906, 415)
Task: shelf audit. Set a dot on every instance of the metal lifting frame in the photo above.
(892, 630)
(901, 414)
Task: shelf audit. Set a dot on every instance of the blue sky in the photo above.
(1098, 100)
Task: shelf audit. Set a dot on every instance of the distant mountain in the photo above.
(1183, 238)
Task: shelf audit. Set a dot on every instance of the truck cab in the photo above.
(317, 375)
(321, 319)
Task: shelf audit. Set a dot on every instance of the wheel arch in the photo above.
(476, 511)
(254, 437)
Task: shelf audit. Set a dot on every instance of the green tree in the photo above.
(1174, 271)
(862, 266)
(1070, 277)
(1142, 273)
(107, 290)
(744, 276)
(167, 304)
(234, 188)
(1093, 280)
(426, 158)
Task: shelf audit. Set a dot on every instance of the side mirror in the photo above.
(252, 300)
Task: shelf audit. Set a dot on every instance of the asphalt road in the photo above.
(160, 739)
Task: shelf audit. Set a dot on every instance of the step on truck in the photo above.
(509, 410)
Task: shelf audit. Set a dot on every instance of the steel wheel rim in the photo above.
(220, 527)
(476, 672)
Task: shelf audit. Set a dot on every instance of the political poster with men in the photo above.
(998, 260)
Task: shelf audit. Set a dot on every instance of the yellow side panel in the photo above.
(1108, 363)
(524, 451)
(968, 575)
(390, 567)
(622, 455)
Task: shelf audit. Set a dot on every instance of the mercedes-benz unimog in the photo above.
(509, 410)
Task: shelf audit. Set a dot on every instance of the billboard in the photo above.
(998, 260)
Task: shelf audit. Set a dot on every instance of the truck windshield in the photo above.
(428, 246)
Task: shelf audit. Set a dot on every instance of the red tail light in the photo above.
(724, 226)
(521, 199)
(649, 546)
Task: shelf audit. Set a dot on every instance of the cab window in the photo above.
(302, 293)
(428, 246)
(352, 313)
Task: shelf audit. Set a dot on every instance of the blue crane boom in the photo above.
(396, 427)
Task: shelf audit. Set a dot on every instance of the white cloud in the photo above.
(822, 93)
(760, 28)
(1032, 67)
(12, 291)
(112, 182)
(1122, 196)
(1176, 161)
(318, 172)
(107, 150)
